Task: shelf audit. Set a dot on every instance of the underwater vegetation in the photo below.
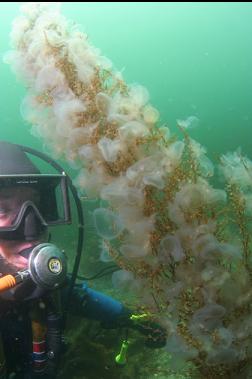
(183, 246)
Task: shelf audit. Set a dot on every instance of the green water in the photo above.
(194, 58)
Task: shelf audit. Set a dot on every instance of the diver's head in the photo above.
(17, 236)
(19, 196)
(28, 234)
(29, 203)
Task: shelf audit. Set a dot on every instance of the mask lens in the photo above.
(47, 194)
(52, 203)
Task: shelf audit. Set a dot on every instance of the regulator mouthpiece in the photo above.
(47, 268)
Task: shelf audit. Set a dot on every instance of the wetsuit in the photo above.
(17, 317)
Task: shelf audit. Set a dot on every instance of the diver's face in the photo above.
(11, 200)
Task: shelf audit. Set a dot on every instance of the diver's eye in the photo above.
(5, 211)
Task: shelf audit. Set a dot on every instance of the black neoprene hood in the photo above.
(13, 160)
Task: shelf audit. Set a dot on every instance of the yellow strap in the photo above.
(139, 317)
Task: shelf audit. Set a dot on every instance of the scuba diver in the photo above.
(36, 291)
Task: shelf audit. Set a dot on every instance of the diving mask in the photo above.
(30, 203)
